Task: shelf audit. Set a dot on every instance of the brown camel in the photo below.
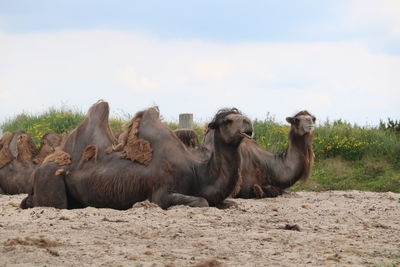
(188, 137)
(149, 163)
(19, 157)
(264, 174)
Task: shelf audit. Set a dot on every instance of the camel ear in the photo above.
(292, 120)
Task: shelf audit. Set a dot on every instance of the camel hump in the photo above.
(5, 154)
(26, 148)
(151, 114)
(93, 130)
(59, 157)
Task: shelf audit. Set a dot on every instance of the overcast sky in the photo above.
(337, 59)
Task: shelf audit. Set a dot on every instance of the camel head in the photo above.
(231, 125)
(302, 123)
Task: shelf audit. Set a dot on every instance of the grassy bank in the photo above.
(347, 156)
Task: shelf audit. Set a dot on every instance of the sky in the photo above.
(338, 59)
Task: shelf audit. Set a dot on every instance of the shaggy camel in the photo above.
(19, 157)
(264, 174)
(188, 137)
(149, 163)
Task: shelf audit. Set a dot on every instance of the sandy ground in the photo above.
(298, 229)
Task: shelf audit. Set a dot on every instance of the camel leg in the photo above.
(48, 188)
(258, 191)
(166, 200)
(272, 191)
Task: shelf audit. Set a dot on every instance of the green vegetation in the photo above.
(347, 156)
(60, 121)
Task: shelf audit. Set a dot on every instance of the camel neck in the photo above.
(291, 167)
(221, 171)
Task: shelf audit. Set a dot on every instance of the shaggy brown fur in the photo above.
(59, 157)
(89, 153)
(188, 137)
(133, 147)
(48, 144)
(5, 155)
(26, 149)
(43, 153)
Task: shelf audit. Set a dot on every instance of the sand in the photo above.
(338, 228)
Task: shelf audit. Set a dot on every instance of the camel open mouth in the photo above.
(247, 134)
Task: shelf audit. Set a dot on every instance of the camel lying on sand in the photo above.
(19, 157)
(149, 163)
(264, 174)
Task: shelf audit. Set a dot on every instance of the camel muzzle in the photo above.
(247, 134)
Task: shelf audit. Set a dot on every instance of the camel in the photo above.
(150, 162)
(188, 137)
(19, 157)
(264, 174)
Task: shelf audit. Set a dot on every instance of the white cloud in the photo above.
(133, 71)
(383, 15)
(136, 81)
(213, 69)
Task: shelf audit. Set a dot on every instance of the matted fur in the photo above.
(89, 153)
(59, 157)
(26, 149)
(5, 154)
(133, 147)
(48, 144)
(44, 151)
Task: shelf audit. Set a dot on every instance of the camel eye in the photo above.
(228, 121)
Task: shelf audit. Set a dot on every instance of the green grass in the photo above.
(368, 174)
(60, 121)
(347, 156)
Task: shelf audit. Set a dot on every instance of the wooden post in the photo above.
(186, 121)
